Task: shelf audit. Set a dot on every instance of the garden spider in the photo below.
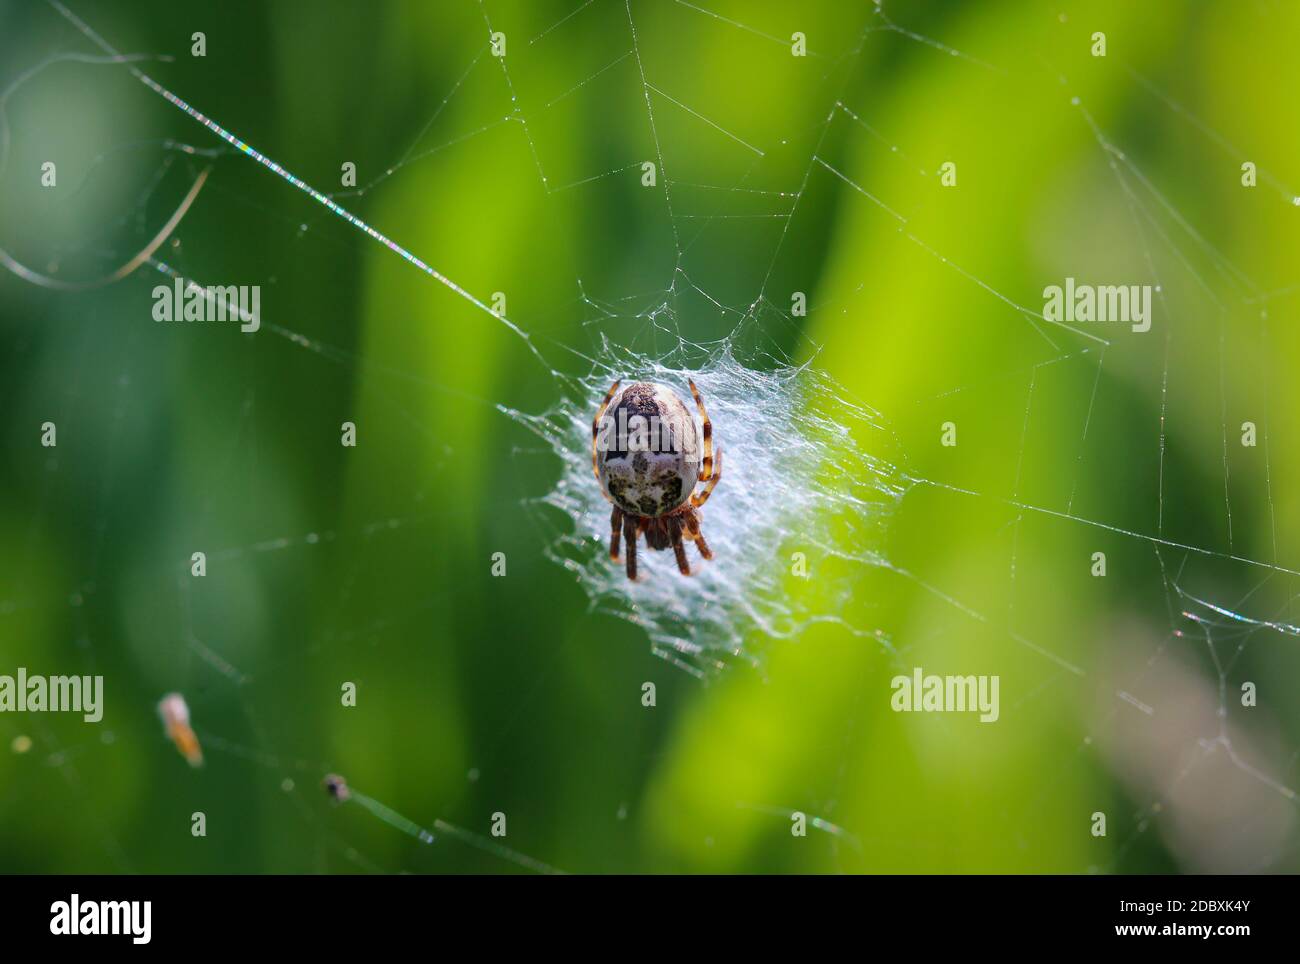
(645, 454)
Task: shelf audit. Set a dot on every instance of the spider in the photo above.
(646, 456)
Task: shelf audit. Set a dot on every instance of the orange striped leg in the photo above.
(694, 533)
(703, 546)
(595, 427)
(706, 469)
(700, 498)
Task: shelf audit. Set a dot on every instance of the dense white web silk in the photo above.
(800, 485)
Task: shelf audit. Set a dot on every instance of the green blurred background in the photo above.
(480, 694)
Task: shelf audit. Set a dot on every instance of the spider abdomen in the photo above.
(648, 457)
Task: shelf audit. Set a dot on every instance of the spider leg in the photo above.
(615, 527)
(703, 546)
(595, 427)
(692, 523)
(700, 498)
(694, 533)
(706, 468)
(675, 533)
(629, 536)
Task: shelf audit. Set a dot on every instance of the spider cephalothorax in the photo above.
(647, 456)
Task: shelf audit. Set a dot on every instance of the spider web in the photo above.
(1144, 683)
(801, 470)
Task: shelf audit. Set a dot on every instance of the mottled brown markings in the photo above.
(672, 496)
(671, 518)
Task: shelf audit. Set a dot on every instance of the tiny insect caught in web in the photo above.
(646, 455)
(175, 715)
(336, 788)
